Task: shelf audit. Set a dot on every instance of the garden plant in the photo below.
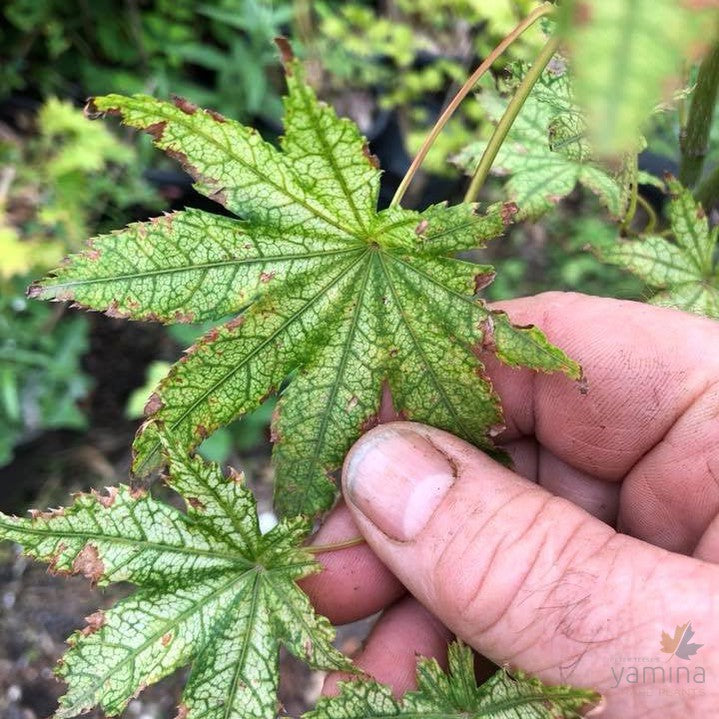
(343, 309)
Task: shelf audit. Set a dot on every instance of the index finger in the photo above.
(644, 368)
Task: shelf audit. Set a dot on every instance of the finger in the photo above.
(527, 578)
(708, 546)
(537, 464)
(671, 495)
(354, 583)
(651, 372)
(404, 631)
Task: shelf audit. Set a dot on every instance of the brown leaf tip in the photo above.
(34, 290)
(95, 622)
(49, 514)
(371, 158)
(115, 312)
(508, 212)
(286, 54)
(482, 280)
(89, 564)
(189, 108)
(235, 476)
(106, 500)
(154, 404)
(216, 116)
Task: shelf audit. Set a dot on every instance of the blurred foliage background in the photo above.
(73, 385)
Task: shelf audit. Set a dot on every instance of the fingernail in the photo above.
(397, 479)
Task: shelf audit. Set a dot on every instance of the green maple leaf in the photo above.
(546, 152)
(212, 591)
(328, 292)
(456, 694)
(685, 271)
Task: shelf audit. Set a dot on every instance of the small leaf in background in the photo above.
(212, 592)
(623, 54)
(329, 292)
(456, 694)
(546, 152)
(684, 270)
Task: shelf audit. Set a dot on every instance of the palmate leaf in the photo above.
(212, 592)
(456, 694)
(546, 152)
(685, 271)
(625, 54)
(329, 292)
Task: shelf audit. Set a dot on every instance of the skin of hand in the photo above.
(570, 567)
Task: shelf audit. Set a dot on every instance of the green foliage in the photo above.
(553, 254)
(685, 270)
(211, 592)
(341, 296)
(545, 153)
(53, 188)
(70, 177)
(41, 379)
(456, 694)
(624, 53)
(216, 51)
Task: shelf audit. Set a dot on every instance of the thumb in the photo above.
(525, 577)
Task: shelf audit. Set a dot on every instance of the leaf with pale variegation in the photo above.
(212, 592)
(684, 270)
(455, 695)
(328, 292)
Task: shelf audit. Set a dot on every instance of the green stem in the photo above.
(507, 120)
(694, 140)
(708, 192)
(346, 544)
(541, 11)
(634, 195)
(652, 221)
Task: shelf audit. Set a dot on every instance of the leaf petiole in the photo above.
(335, 546)
(510, 115)
(541, 11)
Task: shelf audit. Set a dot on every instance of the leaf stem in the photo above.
(541, 11)
(510, 115)
(634, 195)
(647, 207)
(346, 544)
(694, 139)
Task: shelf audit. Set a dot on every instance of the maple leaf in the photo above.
(545, 153)
(670, 644)
(456, 694)
(686, 649)
(684, 270)
(212, 592)
(329, 293)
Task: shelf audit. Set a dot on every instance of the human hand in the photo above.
(531, 572)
